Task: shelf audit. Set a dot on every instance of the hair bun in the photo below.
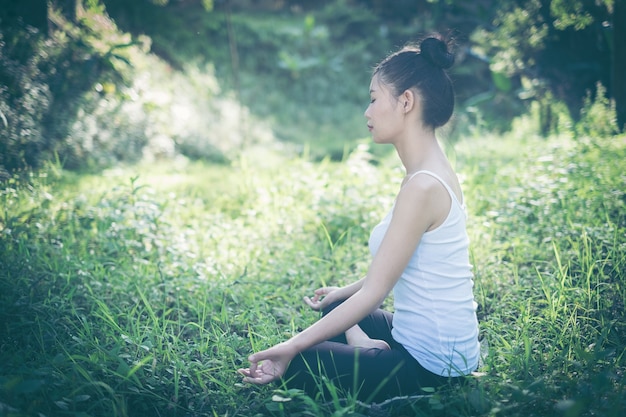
(436, 51)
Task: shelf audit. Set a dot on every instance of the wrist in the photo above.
(292, 346)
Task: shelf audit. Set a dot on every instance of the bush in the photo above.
(44, 81)
(598, 117)
(91, 96)
(24, 100)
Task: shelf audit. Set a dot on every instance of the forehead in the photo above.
(377, 85)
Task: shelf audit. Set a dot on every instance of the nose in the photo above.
(366, 112)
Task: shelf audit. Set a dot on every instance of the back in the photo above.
(435, 312)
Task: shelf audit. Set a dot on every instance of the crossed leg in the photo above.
(355, 336)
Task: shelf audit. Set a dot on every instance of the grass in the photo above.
(139, 291)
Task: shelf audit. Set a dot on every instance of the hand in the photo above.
(321, 298)
(268, 365)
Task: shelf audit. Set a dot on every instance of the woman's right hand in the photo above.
(268, 365)
(322, 298)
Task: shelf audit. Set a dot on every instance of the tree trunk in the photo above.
(619, 61)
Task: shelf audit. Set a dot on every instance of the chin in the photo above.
(379, 141)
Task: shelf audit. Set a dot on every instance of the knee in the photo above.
(301, 374)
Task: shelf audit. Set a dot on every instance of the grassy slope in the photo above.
(140, 291)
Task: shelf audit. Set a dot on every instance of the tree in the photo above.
(558, 48)
(50, 58)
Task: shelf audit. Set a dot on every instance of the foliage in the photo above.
(570, 13)
(598, 116)
(90, 96)
(554, 48)
(174, 257)
(303, 69)
(24, 99)
(543, 284)
(87, 95)
(44, 81)
(141, 290)
(163, 114)
(320, 83)
(305, 73)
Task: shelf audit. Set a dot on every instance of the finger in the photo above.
(252, 371)
(250, 380)
(260, 378)
(312, 303)
(257, 381)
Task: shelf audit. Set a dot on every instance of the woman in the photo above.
(420, 251)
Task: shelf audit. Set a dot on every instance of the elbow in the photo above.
(371, 298)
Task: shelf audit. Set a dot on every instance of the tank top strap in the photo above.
(438, 178)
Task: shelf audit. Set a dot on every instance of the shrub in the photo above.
(598, 117)
(91, 96)
(24, 100)
(44, 81)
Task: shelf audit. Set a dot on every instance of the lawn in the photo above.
(139, 291)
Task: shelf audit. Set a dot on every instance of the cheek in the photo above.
(379, 111)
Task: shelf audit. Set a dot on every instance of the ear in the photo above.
(407, 100)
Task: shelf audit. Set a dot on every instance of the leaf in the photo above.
(280, 399)
(62, 405)
(501, 81)
(479, 98)
(81, 398)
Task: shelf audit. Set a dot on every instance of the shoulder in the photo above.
(421, 188)
(425, 196)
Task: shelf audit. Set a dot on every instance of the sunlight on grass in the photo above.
(145, 287)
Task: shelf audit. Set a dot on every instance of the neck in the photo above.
(417, 149)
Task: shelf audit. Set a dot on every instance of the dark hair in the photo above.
(423, 68)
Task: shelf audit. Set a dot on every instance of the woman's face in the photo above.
(384, 114)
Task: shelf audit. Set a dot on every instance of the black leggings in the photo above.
(372, 375)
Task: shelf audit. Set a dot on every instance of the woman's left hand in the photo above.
(321, 298)
(268, 365)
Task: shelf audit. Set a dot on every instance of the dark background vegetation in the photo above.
(303, 65)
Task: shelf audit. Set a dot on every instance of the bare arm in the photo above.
(325, 296)
(418, 206)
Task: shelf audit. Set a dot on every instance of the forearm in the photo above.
(343, 317)
(349, 290)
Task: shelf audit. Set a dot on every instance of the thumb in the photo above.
(253, 367)
(258, 356)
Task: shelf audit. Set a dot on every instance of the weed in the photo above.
(142, 290)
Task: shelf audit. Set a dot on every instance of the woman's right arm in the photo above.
(325, 296)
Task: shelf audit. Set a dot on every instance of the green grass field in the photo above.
(139, 291)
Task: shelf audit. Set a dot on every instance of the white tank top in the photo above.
(434, 308)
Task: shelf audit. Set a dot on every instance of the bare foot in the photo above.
(357, 337)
